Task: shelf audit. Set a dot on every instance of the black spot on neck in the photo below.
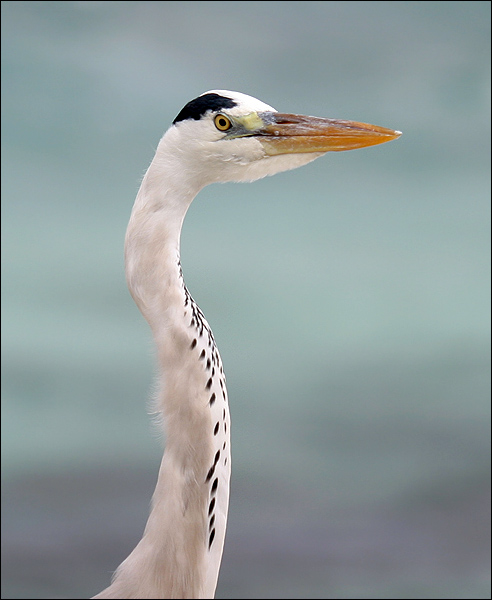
(199, 106)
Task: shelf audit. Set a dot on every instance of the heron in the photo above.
(220, 136)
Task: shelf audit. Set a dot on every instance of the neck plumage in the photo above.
(180, 552)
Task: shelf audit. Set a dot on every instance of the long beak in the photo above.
(291, 134)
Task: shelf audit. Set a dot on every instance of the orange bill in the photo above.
(291, 134)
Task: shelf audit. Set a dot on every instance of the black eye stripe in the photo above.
(201, 105)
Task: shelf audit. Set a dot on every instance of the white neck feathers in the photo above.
(179, 554)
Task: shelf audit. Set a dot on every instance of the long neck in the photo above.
(180, 552)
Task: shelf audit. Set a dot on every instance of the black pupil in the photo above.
(222, 122)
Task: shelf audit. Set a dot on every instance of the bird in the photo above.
(220, 136)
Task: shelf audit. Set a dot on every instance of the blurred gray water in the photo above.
(350, 298)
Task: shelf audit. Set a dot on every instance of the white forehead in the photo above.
(245, 103)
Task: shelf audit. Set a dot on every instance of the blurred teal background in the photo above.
(349, 299)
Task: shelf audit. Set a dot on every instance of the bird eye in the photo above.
(222, 123)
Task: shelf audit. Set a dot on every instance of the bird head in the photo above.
(229, 136)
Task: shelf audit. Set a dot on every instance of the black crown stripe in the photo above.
(195, 109)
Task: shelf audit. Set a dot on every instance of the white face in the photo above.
(218, 156)
(229, 136)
